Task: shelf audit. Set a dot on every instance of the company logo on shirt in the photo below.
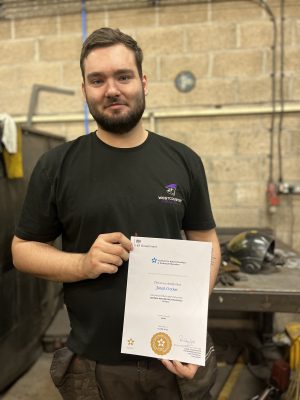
(169, 196)
(171, 189)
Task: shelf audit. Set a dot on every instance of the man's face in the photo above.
(114, 91)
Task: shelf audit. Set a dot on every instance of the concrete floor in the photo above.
(35, 384)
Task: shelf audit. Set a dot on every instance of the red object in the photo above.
(280, 375)
(273, 198)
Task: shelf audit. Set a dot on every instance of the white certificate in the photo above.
(167, 299)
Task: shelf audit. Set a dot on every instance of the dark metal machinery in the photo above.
(27, 304)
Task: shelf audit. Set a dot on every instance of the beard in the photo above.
(118, 123)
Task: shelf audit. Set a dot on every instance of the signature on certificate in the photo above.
(185, 340)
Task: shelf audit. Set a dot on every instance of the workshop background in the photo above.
(224, 78)
(237, 103)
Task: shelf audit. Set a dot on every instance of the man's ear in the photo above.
(145, 84)
(83, 90)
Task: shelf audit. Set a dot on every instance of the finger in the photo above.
(186, 370)
(170, 366)
(100, 269)
(108, 268)
(125, 243)
(107, 247)
(117, 238)
(116, 250)
(122, 252)
(106, 258)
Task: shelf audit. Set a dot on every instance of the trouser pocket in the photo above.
(74, 376)
(199, 387)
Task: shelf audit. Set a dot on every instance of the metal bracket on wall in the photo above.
(36, 89)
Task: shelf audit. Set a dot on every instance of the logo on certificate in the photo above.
(161, 343)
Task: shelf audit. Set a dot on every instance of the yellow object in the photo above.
(293, 392)
(292, 357)
(14, 162)
(295, 354)
(231, 380)
(293, 330)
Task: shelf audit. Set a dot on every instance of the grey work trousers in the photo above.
(78, 378)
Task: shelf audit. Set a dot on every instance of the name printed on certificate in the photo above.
(167, 299)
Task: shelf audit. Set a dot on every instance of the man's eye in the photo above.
(124, 78)
(96, 82)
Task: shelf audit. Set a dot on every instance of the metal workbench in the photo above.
(274, 292)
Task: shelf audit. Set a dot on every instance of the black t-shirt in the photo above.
(84, 188)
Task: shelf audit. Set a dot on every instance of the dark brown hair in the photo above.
(105, 37)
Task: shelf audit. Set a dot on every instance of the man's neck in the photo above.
(133, 138)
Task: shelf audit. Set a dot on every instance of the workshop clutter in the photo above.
(11, 158)
(229, 273)
(293, 391)
(276, 362)
(279, 382)
(249, 252)
(253, 251)
(293, 331)
(284, 382)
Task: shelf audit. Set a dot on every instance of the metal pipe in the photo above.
(174, 113)
(36, 89)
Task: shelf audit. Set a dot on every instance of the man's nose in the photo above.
(112, 89)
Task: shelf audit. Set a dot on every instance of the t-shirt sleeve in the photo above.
(198, 214)
(38, 220)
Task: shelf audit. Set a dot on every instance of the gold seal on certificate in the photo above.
(161, 343)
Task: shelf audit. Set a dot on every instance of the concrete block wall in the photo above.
(227, 46)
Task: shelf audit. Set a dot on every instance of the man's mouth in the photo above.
(115, 104)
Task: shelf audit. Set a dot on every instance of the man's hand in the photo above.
(187, 371)
(106, 255)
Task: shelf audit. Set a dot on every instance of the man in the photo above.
(96, 192)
